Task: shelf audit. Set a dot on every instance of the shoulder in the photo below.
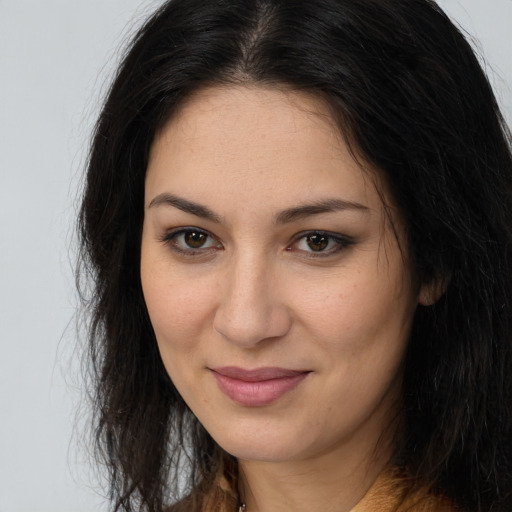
(184, 505)
(392, 493)
(428, 503)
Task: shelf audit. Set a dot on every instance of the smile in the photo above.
(259, 387)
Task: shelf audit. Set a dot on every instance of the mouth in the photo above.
(258, 387)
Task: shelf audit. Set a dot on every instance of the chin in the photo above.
(264, 441)
(259, 452)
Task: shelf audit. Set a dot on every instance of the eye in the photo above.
(321, 243)
(191, 241)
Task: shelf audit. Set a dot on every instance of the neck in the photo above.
(334, 482)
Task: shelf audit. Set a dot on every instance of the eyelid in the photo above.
(342, 242)
(168, 239)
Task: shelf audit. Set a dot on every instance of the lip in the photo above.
(257, 387)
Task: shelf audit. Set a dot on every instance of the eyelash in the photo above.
(342, 242)
(170, 237)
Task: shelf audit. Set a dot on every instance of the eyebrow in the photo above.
(186, 206)
(317, 207)
(284, 217)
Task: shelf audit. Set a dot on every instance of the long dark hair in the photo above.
(411, 98)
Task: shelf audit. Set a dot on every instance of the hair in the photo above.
(407, 90)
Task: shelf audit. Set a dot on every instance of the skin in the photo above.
(257, 294)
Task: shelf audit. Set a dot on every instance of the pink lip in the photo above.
(258, 387)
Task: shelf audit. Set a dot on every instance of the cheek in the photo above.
(179, 310)
(361, 333)
(176, 315)
(360, 320)
(178, 305)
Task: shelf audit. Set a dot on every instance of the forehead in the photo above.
(273, 145)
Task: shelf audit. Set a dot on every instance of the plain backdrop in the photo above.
(56, 58)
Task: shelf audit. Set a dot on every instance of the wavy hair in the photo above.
(408, 92)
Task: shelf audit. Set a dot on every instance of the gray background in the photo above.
(55, 59)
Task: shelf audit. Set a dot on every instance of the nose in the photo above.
(251, 308)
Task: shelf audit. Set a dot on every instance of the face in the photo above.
(280, 296)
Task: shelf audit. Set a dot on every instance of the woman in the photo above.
(298, 220)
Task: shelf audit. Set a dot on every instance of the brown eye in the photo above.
(317, 242)
(191, 241)
(195, 239)
(321, 243)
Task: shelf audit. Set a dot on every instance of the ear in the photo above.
(432, 291)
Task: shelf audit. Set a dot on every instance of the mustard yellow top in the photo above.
(389, 494)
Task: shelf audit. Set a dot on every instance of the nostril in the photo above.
(251, 325)
(250, 308)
